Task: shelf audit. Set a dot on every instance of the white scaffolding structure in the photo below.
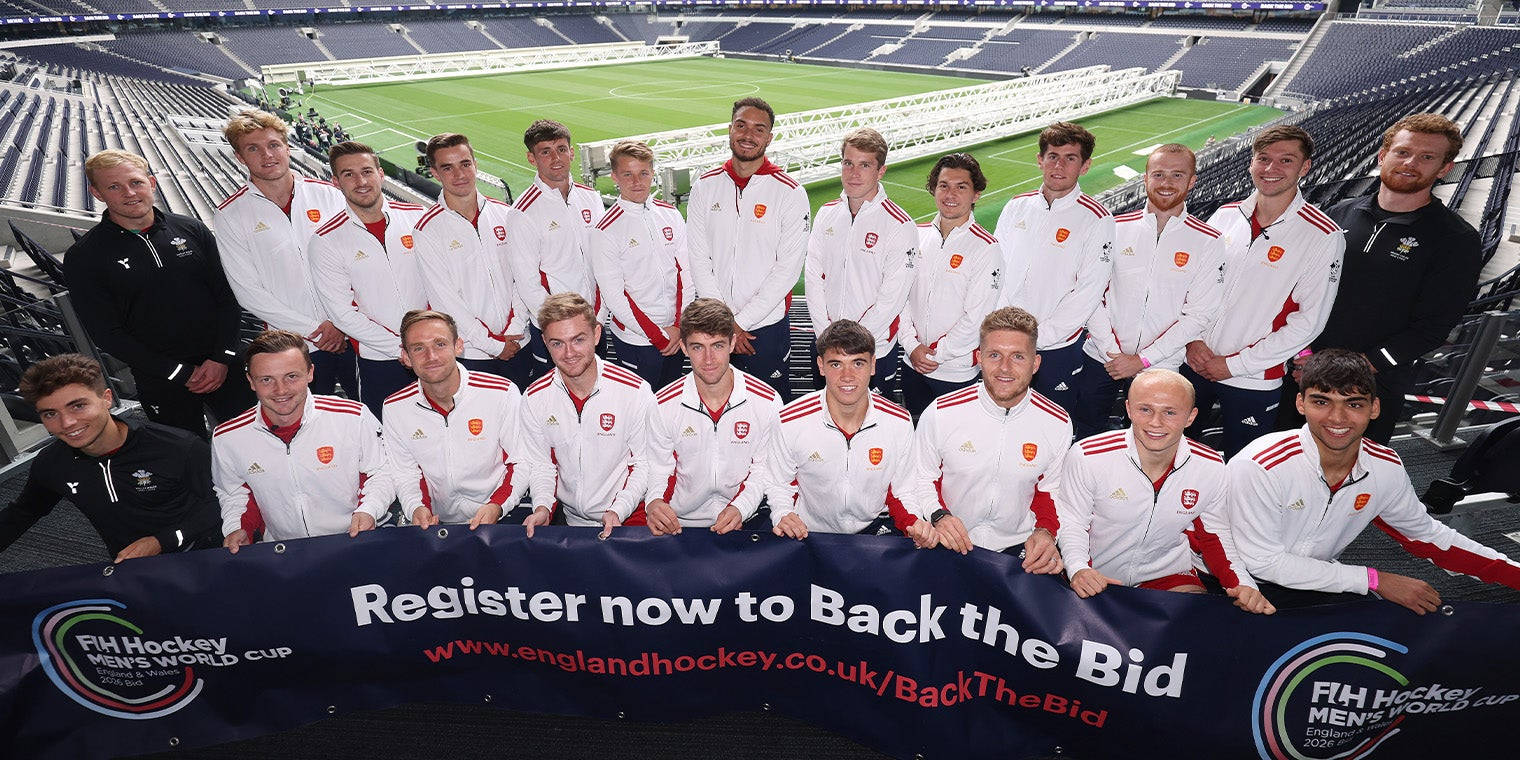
(807, 142)
(409, 68)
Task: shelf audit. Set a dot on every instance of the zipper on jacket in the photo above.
(1376, 228)
(151, 250)
(105, 471)
(1333, 491)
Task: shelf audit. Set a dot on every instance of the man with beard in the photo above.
(1411, 266)
(548, 245)
(748, 223)
(1282, 266)
(263, 230)
(1164, 293)
(364, 264)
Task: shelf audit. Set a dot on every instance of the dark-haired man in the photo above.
(145, 487)
(1411, 266)
(364, 263)
(1298, 498)
(748, 223)
(311, 465)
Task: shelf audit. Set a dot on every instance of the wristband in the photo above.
(1144, 362)
(1372, 579)
(1304, 353)
(938, 515)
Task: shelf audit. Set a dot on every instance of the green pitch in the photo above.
(607, 102)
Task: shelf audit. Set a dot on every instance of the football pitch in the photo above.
(607, 102)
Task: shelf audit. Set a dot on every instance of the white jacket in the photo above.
(593, 459)
(638, 252)
(1114, 520)
(331, 470)
(747, 247)
(455, 462)
(701, 464)
(1279, 288)
(465, 274)
(839, 484)
(996, 469)
(1165, 292)
(1055, 261)
(1290, 527)
(858, 268)
(366, 287)
(549, 243)
(955, 286)
(264, 252)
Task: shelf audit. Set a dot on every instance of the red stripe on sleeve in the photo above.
(1457, 559)
(1044, 509)
(1209, 546)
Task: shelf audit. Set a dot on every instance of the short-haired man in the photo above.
(1165, 291)
(710, 432)
(1282, 265)
(150, 290)
(145, 487)
(311, 465)
(1298, 498)
(838, 462)
(749, 231)
(987, 459)
(1419, 264)
(452, 435)
(585, 427)
(1056, 245)
(264, 229)
(549, 233)
(1135, 503)
(638, 251)
(364, 264)
(462, 254)
(955, 285)
(860, 253)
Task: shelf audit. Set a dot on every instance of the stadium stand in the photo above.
(583, 30)
(447, 36)
(1224, 63)
(363, 40)
(264, 46)
(520, 31)
(1119, 50)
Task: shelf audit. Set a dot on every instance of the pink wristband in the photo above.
(1303, 353)
(1144, 362)
(1372, 579)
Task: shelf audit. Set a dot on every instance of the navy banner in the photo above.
(913, 652)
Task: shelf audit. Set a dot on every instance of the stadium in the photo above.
(159, 78)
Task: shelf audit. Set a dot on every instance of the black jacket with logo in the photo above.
(157, 484)
(157, 299)
(1406, 282)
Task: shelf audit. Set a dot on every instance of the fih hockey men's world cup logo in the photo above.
(106, 663)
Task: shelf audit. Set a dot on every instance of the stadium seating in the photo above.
(363, 40)
(447, 36)
(1019, 49)
(1354, 56)
(1224, 63)
(1119, 50)
(583, 30)
(178, 49)
(267, 46)
(521, 31)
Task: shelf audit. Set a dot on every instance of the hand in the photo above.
(791, 526)
(424, 518)
(743, 342)
(360, 523)
(662, 518)
(610, 520)
(1122, 366)
(235, 539)
(672, 341)
(207, 377)
(146, 546)
(1198, 353)
(923, 534)
(1088, 582)
(728, 519)
(1040, 554)
(512, 344)
(328, 337)
(1215, 369)
(488, 514)
(1410, 592)
(540, 516)
(952, 534)
(921, 362)
(1250, 600)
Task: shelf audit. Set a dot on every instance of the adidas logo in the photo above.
(776, 374)
(1019, 225)
(883, 530)
(1061, 386)
(261, 227)
(688, 431)
(968, 448)
(1129, 250)
(552, 420)
(816, 457)
(455, 245)
(829, 231)
(419, 435)
(1250, 421)
(553, 225)
(632, 243)
(1118, 494)
(360, 256)
(716, 207)
(1299, 504)
(254, 469)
